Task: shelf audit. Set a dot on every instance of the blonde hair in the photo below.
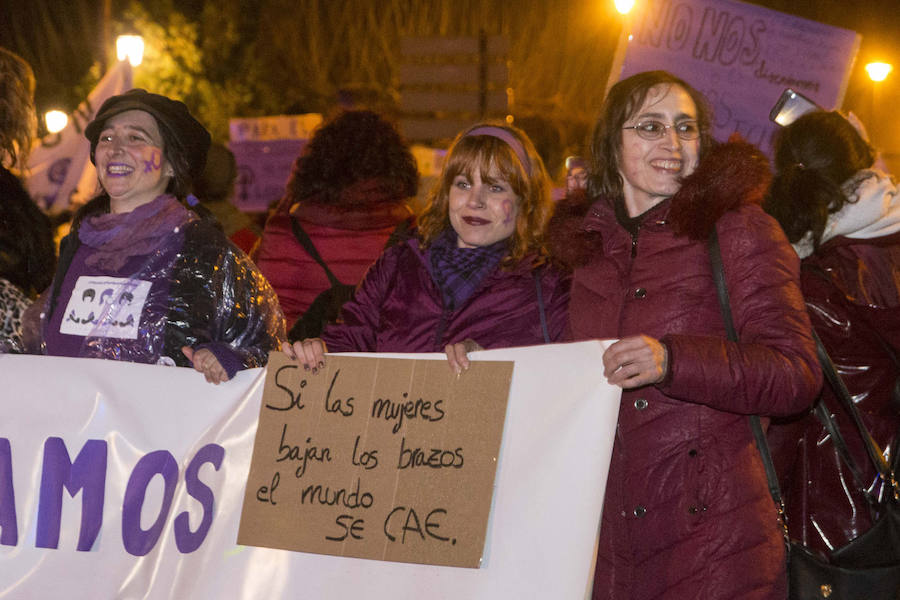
(18, 122)
(530, 183)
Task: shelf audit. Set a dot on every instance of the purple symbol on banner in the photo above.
(57, 174)
(58, 170)
(244, 181)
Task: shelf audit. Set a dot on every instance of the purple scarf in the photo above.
(458, 271)
(116, 237)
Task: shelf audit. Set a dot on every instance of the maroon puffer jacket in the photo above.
(348, 236)
(687, 512)
(398, 308)
(852, 289)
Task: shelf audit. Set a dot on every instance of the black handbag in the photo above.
(867, 567)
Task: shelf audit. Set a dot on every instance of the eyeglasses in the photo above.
(654, 130)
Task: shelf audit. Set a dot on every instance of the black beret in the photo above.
(171, 115)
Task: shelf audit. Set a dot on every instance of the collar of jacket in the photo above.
(730, 175)
(355, 218)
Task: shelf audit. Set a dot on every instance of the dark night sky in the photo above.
(61, 63)
(878, 21)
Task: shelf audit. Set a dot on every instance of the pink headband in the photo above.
(509, 138)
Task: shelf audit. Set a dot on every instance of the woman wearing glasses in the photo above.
(687, 512)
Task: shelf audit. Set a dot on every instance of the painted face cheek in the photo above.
(508, 208)
(155, 162)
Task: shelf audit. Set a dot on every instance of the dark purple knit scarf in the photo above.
(458, 271)
(116, 237)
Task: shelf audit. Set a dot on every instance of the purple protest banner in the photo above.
(740, 56)
(265, 149)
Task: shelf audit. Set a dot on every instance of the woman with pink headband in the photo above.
(475, 275)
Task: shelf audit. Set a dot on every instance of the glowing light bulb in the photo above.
(624, 6)
(878, 71)
(130, 47)
(56, 120)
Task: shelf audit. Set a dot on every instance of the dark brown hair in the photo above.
(17, 117)
(623, 100)
(814, 156)
(354, 146)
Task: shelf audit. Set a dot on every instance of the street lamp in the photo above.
(55, 120)
(130, 47)
(878, 71)
(624, 6)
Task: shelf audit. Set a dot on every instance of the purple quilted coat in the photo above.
(852, 289)
(398, 308)
(687, 512)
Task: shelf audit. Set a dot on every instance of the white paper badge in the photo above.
(105, 307)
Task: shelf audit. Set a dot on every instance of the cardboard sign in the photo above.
(376, 458)
(741, 56)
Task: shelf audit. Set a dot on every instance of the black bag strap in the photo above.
(540, 300)
(399, 234)
(843, 395)
(830, 373)
(837, 438)
(888, 350)
(718, 272)
(310, 248)
(67, 248)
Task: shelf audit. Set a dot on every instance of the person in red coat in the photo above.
(348, 190)
(474, 276)
(843, 216)
(687, 511)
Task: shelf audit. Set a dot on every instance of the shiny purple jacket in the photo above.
(398, 308)
(852, 290)
(687, 512)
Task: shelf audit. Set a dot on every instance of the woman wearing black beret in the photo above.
(142, 277)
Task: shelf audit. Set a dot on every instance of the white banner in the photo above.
(60, 172)
(122, 480)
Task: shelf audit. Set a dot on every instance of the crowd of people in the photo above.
(147, 275)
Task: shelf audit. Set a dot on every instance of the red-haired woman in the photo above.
(475, 275)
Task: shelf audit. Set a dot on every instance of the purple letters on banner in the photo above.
(87, 474)
(185, 540)
(137, 541)
(9, 530)
(741, 56)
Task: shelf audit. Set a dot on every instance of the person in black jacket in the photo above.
(27, 251)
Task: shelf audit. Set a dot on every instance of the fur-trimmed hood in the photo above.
(729, 176)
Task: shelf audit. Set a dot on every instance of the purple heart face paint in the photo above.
(130, 161)
(483, 210)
